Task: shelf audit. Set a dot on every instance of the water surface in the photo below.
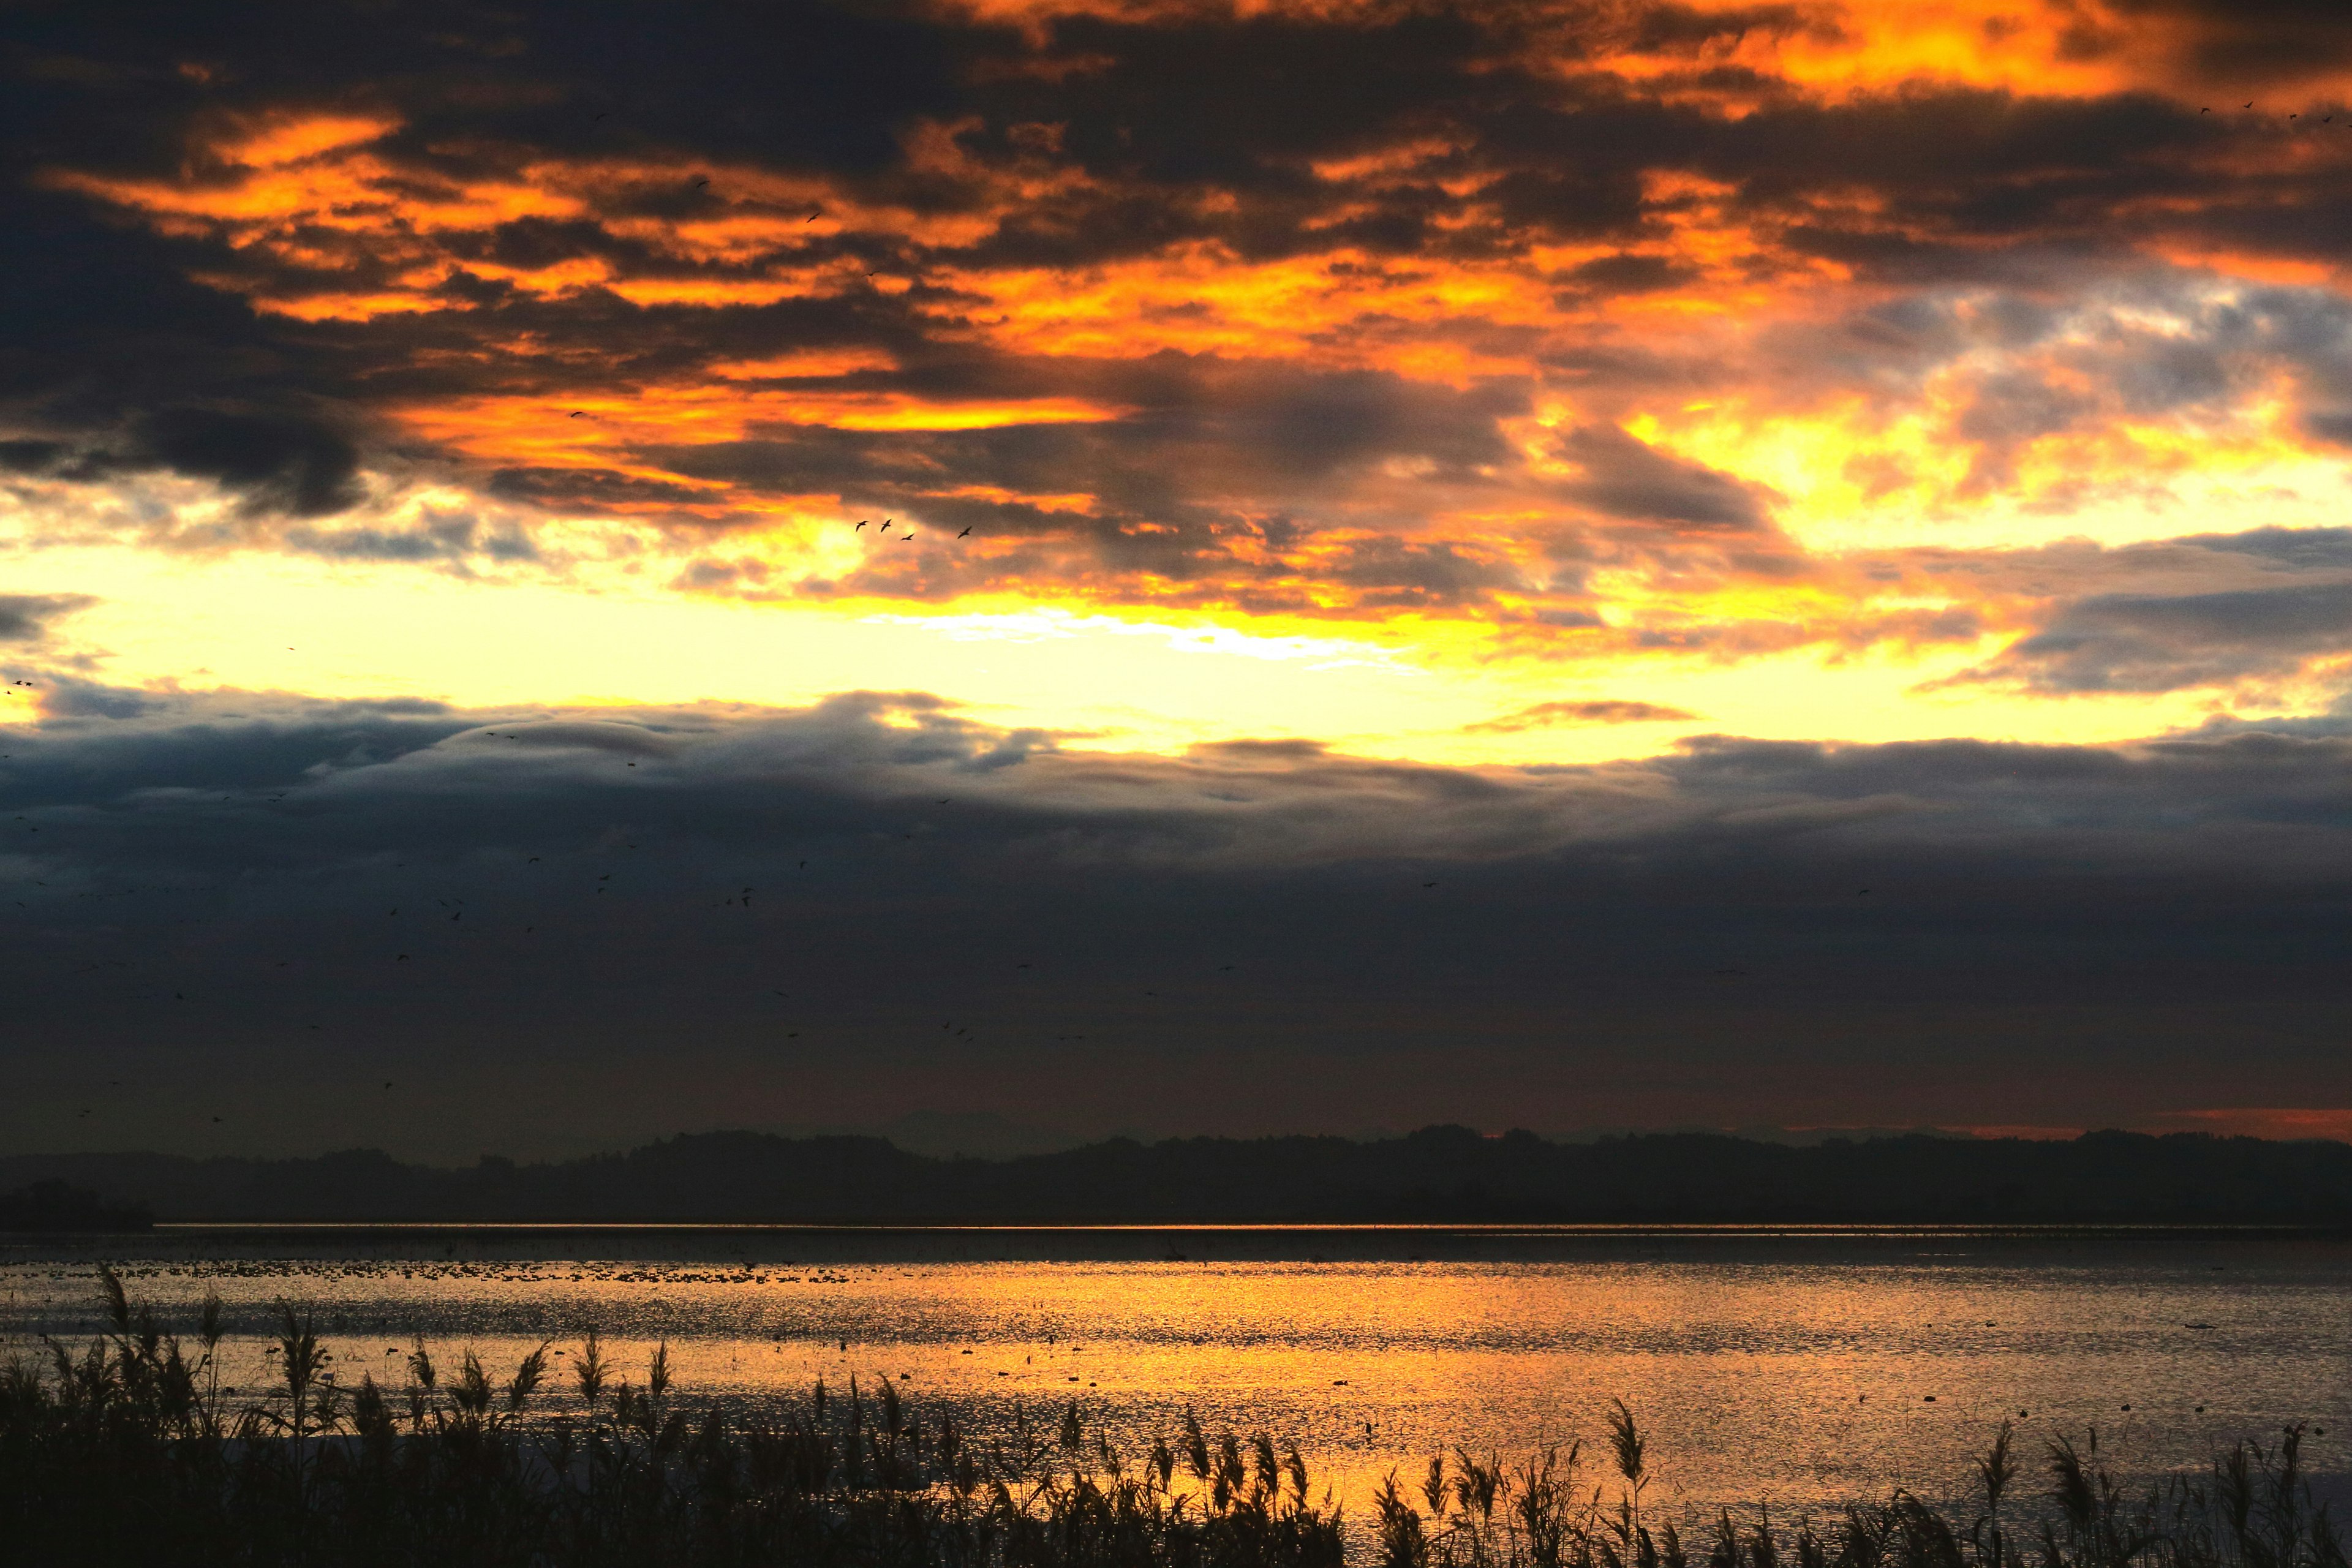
(1791, 1366)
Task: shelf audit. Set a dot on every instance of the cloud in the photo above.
(1626, 477)
(2148, 642)
(25, 618)
(301, 468)
(199, 892)
(1317, 333)
(1604, 711)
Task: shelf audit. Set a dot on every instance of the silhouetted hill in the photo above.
(1440, 1174)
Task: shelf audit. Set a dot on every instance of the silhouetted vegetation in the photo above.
(54, 1206)
(1438, 1174)
(132, 1452)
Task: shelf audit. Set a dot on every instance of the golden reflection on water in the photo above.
(1793, 1381)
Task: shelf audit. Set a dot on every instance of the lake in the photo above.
(1786, 1365)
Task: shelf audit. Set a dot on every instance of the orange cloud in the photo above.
(1731, 312)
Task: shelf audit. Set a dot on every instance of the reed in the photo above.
(131, 1452)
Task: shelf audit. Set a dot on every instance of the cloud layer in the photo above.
(548, 931)
(409, 417)
(1510, 318)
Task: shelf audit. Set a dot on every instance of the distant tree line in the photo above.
(55, 1205)
(1437, 1174)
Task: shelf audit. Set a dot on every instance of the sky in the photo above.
(575, 573)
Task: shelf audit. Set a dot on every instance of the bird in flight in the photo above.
(861, 523)
(967, 530)
(576, 414)
(814, 214)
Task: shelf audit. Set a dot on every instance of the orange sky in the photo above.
(1651, 396)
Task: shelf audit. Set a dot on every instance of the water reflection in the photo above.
(1789, 1368)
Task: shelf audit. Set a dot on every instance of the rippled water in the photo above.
(1793, 1368)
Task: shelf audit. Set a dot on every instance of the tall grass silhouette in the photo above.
(132, 1452)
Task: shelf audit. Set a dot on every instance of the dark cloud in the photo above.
(25, 618)
(1629, 274)
(1626, 477)
(2260, 42)
(2302, 549)
(439, 535)
(122, 359)
(198, 901)
(279, 464)
(2150, 643)
(1243, 103)
(1401, 572)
